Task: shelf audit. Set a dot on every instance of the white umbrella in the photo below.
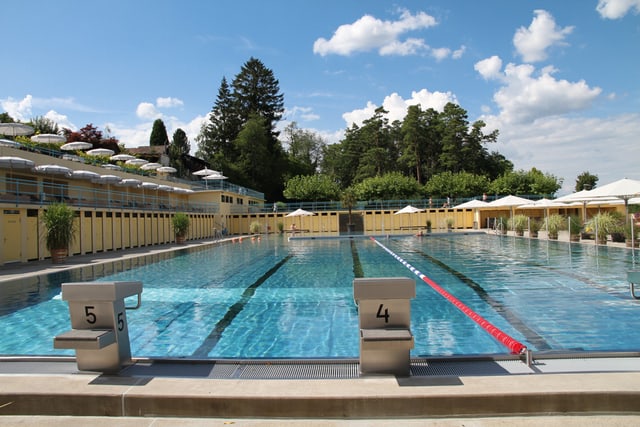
(122, 157)
(472, 204)
(111, 167)
(624, 189)
(508, 201)
(84, 174)
(166, 169)
(100, 152)
(9, 143)
(205, 172)
(11, 162)
(150, 166)
(107, 179)
(214, 176)
(76, 145)
(130, 182)
(15, 129)
(408, 210)
(166, 188)
(53, 170)
(48, 138)
(300, 213)
(136, 162)
(149, 185)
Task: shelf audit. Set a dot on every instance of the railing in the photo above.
(34, 192)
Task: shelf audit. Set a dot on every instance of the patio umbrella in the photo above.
(472, 204)
(48, 138)
(205, 172)
(166, 169)
(12, 162)
(300, 213)
(15, 129)
(136, 162)
(76, 145)
(9, 143)
(122, 157)
(624, 189)
(408, 210)
(53, 170)
(84, 174)
(149, 185)
(129, 182)
(167, 188)
(214, 176)
(107, 179)
(150, 166)
(508, 201)
(100, 152)
(111, 167)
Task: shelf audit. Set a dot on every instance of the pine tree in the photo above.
(178, 150)
(159, 134)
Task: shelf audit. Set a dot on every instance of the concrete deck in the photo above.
(553, 391)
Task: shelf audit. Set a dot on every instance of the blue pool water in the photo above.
(276, 298)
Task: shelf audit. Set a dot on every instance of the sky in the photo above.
(560, 80)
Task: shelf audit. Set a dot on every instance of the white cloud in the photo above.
(397, 106)
(489, 68)
(147, 110)
(566, 146)
(169, 102)
(532, 43)
(61, 119)
(300, 113)
(615, 9)
(457, 54)
(440, 53)
(369, 33)
(525, 97)
(19, 110)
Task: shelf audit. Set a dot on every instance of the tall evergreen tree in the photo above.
(159, 134)
(178, 150)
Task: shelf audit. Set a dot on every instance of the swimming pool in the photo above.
(275, 298)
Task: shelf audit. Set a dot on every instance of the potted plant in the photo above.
(255, 227)
(519, 223)
(59, 226)
(449, 221)
(575, 227)
(553, 223)
(632, 235)
(280, 226)
(617, 230)
(180, 222)
(501, 224)
(428, 226)
(602, 224)
(534, 227)
(349, 201)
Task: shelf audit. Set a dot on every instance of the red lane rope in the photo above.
(512, 344)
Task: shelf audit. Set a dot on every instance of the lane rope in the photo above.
(512, 344)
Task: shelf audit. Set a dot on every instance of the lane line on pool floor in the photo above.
(214, 336)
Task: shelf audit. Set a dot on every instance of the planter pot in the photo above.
(617, 237)
(574, 237)
(586, 236)
(636, 243)
(553, 236)
(520, 233)
(181, 239)
(58, 256)
(533, 234)
(601, 241)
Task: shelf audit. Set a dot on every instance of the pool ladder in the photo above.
(633, 277)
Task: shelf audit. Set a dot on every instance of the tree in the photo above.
(586, 181)
(521, 182)
(93, 135)
(311, 188)
(42, 124)
(178, 150)
(461, 184)
(390, 186)
(159, 135)
(304, 148)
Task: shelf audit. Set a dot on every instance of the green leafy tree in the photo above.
(93, 135)
(304, 149)
(178, 151)
(462, 184)
(6, 118)
(159, 135)
(311, 188)
(42, 124)
(533, 182)
(586, 181)
(392, 185)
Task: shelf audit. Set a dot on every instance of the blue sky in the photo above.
(560, 80)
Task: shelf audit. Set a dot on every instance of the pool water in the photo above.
(276, 298)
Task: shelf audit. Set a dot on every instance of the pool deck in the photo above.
(553, 391)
